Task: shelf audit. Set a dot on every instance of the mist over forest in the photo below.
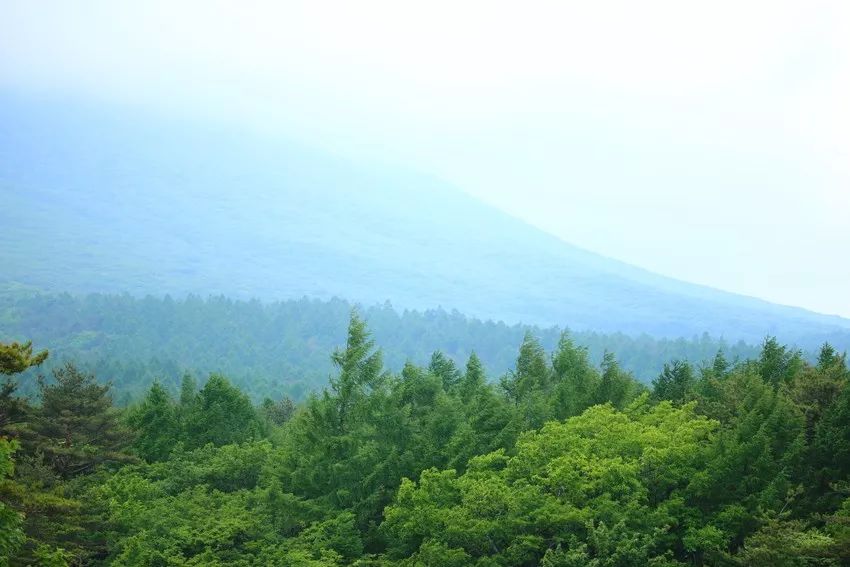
(387, 284)
(254, 354)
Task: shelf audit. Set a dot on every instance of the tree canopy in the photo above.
(558, 462)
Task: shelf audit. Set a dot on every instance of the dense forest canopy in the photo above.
(276, 349)
(558, 462)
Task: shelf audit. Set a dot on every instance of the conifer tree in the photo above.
(577, 381)
(76, 427)
(17, 357)
(11, 533)
(615, 385)
(14, 359)
(188, 391)
(829, 357)
(473, 379)
(359, 367)
(221, 414)
(155, 423)
(531, 371)
(777, 363)
(445, 369)
(674, 383)
(720, 366)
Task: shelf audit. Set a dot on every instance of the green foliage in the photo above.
(788, 543)
(220, 414)
(445, 369)
(272, 349)
(209, 507)
(11, 534)
(616, 385)
(577, 380)
(561, 463)
(675, 381)
(14, 359)
(830, 456)
(17, 357)
(76, 427)
(155, 421)
(778, 364)
(605, 486)
(278, 412)
(473, 381)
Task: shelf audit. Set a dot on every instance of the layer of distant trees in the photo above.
(277, 349)
(562, 461)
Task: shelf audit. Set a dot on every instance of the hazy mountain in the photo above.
(113, 200)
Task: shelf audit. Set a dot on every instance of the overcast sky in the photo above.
(709, 141)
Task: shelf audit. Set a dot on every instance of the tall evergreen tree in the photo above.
(76, 427)
(445, 369)
(615, 385)
(829, 357)
(577, 381)
(188, 391)
(674, 383)
(473, 379)
(531, 372)
(155, 423)
(777, 363)
(359, 367)
(720, 366)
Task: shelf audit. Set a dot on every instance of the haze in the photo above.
(709, 142)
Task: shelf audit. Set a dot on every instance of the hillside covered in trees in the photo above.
(104, 198)
(560, 462)
(276, 349)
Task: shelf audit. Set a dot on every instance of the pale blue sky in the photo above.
(708, 141)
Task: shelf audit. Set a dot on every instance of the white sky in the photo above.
(708, 141)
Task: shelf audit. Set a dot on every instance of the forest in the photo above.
(561, 461)
(281, 348)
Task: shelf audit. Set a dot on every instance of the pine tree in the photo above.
(14, 359)
(445, 369)
(674, 383)
(473, 379)
(76, 426)
(720, 366)
(188, 391)
(576, 379)
(831, 447)
(531, 371)
(17, 357)
(829, 357)
(615, 386)
(778, 364)
(359, 367)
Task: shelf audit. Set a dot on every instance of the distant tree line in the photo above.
(277, 349)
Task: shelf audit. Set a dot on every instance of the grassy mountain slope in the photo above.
(109, 200)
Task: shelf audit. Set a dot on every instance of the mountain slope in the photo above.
(107, 199)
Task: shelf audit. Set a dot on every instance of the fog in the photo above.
(708, 142)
